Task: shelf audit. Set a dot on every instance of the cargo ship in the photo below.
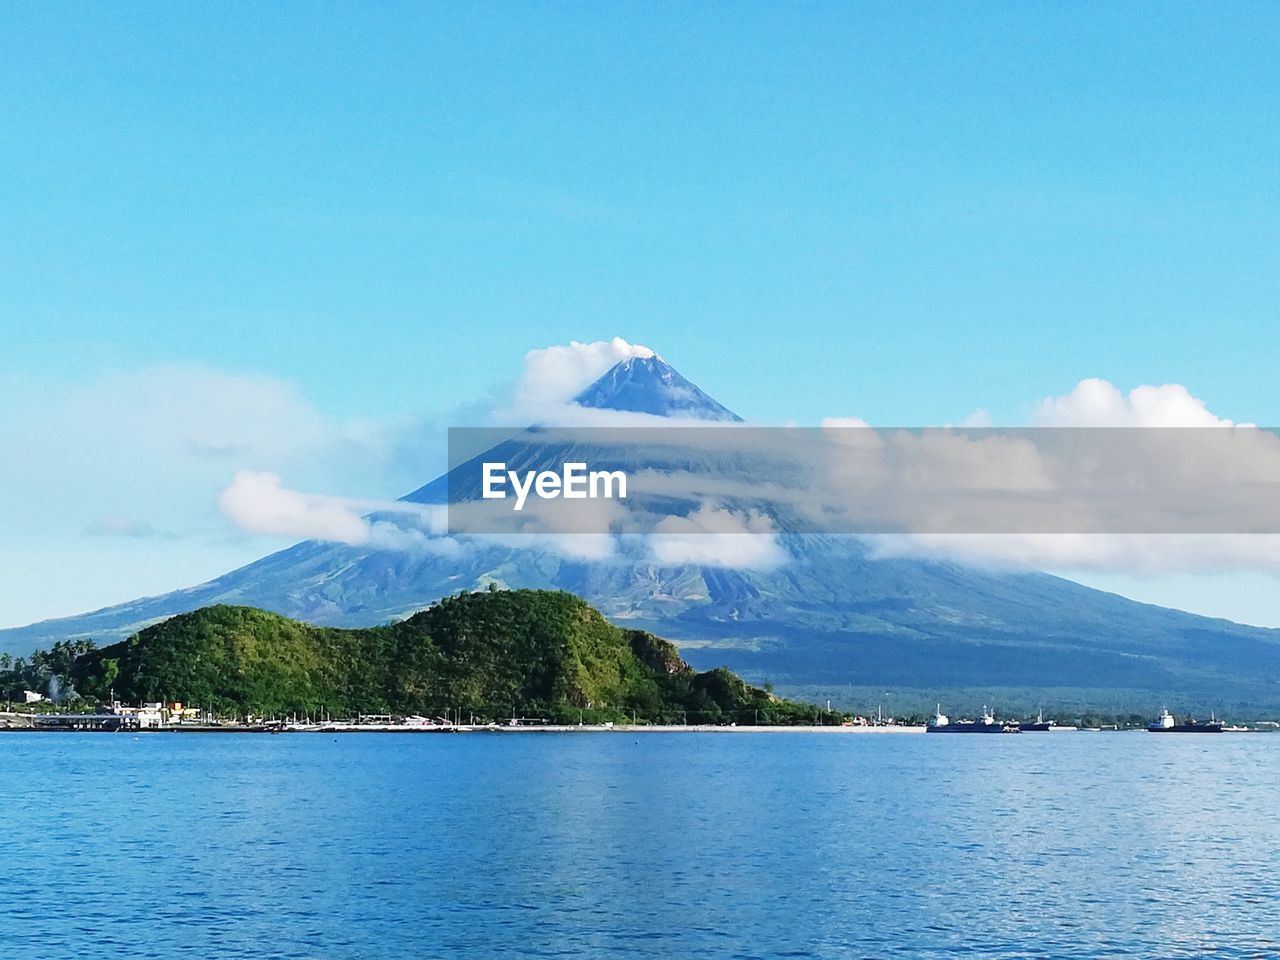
(1165, 723)
(941, 723)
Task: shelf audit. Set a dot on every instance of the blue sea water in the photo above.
(1073, 845)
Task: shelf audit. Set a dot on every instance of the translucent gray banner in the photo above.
(861, 480)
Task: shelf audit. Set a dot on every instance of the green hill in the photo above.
(492, 654)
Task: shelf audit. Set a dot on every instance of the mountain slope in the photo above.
(831, 615)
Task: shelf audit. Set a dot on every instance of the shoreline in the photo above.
(370, 728)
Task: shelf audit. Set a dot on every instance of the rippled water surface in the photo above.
(660, 845)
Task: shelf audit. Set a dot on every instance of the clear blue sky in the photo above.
(890, 210)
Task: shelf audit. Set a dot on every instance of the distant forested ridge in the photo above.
(493, 654)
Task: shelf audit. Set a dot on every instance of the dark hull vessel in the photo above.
(985, 724)
(976, 726)
(1041, 725)
(1165, 723)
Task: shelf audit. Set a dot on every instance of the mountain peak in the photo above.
(651, 385)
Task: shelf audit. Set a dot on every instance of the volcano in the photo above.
(830, 620)
(651, 385)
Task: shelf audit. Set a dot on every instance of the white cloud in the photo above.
(257, 502)
(711, 536)
(1097, 403)
(553, 376)
(1137, 554)
(119, 526)
(129, 455)
(585, 547)
(122, 468)
(199, 413)
(844, 423)
(156, 435)
(943, 479)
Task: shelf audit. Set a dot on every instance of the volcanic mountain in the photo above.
(651, 385)
(830, 620)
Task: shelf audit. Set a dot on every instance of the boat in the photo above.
(941, 723)
(1038, 725)
(1165, 723)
